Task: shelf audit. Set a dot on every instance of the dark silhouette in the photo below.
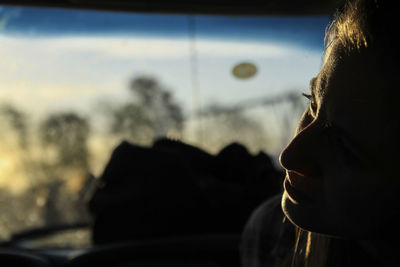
(268, 238)
(173, 188)
(144, 193)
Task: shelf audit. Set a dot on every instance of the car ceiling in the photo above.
(221, 7)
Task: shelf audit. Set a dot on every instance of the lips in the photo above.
(300, 188)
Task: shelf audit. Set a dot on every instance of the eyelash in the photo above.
(310, 98)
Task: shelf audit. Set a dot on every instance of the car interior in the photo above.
(146, 132)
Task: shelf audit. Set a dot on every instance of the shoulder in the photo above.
(266, 216)
(268, 237)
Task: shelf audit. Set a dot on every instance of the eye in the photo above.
(313, 104)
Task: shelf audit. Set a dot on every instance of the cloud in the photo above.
(66, 71)
(139, 47)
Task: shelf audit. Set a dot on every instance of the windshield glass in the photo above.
(75, 83)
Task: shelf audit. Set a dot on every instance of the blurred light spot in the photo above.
(244, 70)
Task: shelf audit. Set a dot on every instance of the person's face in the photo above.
(341, 176)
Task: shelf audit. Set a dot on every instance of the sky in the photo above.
(57, 56)
(306, 31)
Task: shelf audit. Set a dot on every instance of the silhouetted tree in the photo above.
(131, 120)
(238, 123)
(152, 112)
(225, 125)
(67, 133)
(18, 121)
(41, 195)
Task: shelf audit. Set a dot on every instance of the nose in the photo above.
(303, 153)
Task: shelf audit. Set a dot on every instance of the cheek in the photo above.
(338, 194)
(343, 186)
(360, 202)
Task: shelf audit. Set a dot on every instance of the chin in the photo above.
(294, 212)
(319, 217)
(303, 215)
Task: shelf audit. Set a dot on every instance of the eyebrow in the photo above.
(313, 89)
(313, 81)
(317, 85)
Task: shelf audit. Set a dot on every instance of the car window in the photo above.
(75, 83)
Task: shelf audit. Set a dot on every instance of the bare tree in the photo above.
(152, 112)
(67, 133)
(223, 125)
(18, 121)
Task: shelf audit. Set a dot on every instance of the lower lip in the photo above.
(294, 194)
